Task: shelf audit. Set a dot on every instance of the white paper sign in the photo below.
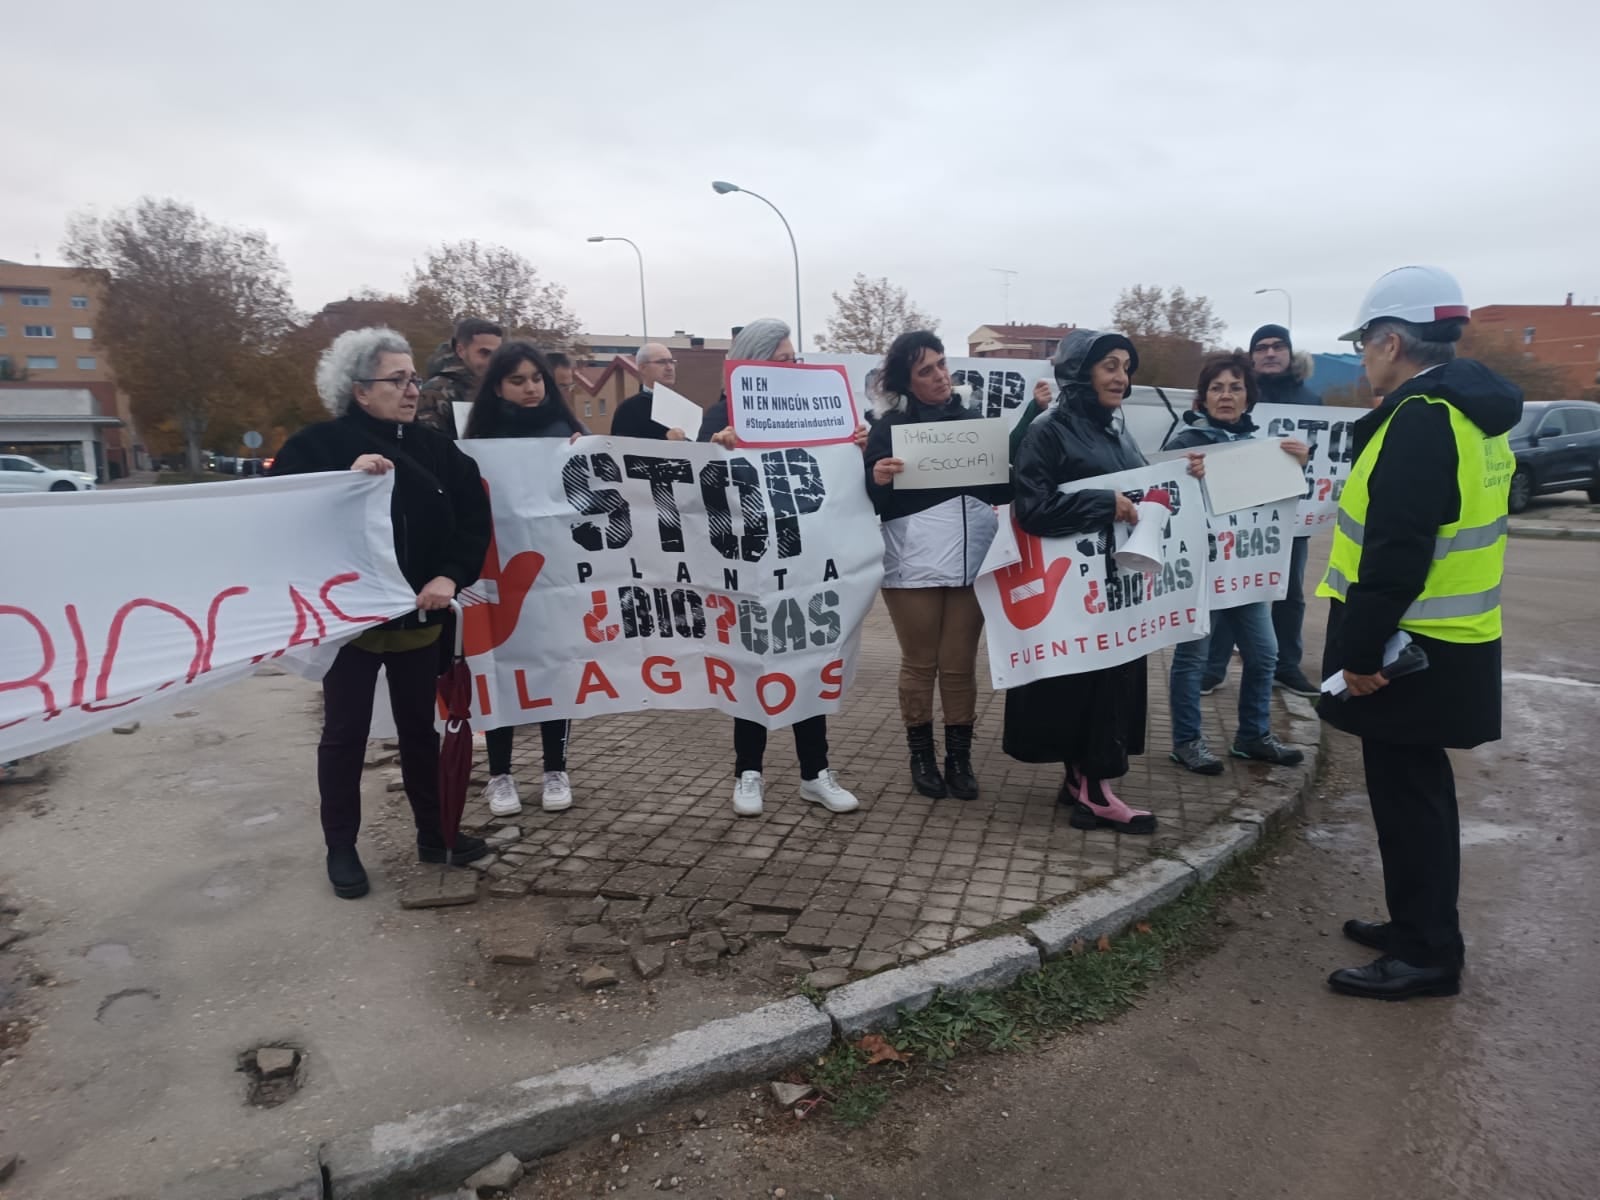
(789, 404)
(1250, 549)
(675, 411)
(1328, 431)
(1248, 474)
(120, 601)
(941, 454)
(630, 575)
(1064, 606)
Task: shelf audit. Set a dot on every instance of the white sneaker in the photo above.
(825, 790)
(501, 793)
(747, 795)
(557, 792)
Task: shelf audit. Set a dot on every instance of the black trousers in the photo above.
(1413, 795)
(553, 735)
(810, 746)
(347, 693)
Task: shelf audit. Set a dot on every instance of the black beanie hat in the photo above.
(1271, 331)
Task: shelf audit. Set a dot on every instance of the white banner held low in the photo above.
(789, 404)
(943, 454)
(1249, 560)
(1061, 606)
(1328, 431)
(120, 600)
(631, 575)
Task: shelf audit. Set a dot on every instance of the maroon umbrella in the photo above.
(455, 751)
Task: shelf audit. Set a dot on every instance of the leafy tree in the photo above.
(468, 279)
(1144, 312)
(190, 310)
(872, 315)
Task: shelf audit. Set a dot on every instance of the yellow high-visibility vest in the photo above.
(1460, 601)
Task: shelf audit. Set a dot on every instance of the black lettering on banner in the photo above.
(688, 613)
(730, 579)
(683, 575)
(753, 626)
(637, 617)
(788, 626)
(795, 484)
(715, 479)
(662, 474)
(585, 571)
(592, 501)
(825, 618)
(830, 572)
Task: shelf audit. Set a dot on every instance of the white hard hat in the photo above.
(1416, 294)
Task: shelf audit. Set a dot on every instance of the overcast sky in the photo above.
(1216, 145)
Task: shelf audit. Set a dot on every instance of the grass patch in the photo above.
(1088, 986)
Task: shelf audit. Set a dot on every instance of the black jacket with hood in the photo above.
(1078, 438)
(1200, 430)
(1290, 387)
(1412, 492)
(440, 510)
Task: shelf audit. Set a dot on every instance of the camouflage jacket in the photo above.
(448, 382)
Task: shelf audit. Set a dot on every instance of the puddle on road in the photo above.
(129, 1009)
(109, 954)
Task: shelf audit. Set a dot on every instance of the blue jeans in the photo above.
(1288, 616)
(1250, 627)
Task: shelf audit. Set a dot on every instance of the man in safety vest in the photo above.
(1419, 548)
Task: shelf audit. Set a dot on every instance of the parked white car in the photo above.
(19, 474)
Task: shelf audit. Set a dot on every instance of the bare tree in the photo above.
(872, 315)
(1143, 312)
(468, 279)
(191, 309)
(1501, 351)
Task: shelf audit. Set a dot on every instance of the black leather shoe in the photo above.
(345, 872)
(1388, 978)
(1369, 933)
(468, 849)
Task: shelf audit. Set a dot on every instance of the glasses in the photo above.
(662, 362)
(1364, 338)
(400, 381)
(1269, 346)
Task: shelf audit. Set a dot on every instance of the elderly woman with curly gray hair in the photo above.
(441, 532)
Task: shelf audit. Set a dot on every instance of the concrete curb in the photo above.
(875, 1002)
(1553, 532)
(540, 1115)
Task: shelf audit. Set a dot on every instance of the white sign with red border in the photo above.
(789, 404)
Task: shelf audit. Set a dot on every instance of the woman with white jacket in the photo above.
(934, 540)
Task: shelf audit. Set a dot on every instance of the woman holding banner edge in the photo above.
(934, 541)
(520, 397)
(1223, 398)
(768, 340)
(1090, 722)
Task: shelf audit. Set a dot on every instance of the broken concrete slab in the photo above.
(596, 939)
(440, 889)
(274, 1062)
(126, 727)
(506, 889)
(592, 979)
(829, 977)
(649, 961)
(1112, 907)
(539, 1115)
(516, 953)
(769, 924)
(675, 930)
(875, 1003)
(1217, 847)
(499, 1176)
(789, 1094)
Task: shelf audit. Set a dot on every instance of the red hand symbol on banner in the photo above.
(488, 625)
(1028, 588)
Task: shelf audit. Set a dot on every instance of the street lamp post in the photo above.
(644, 321)
(1286, 296)
(722, 187)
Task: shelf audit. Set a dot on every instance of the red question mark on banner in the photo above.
(1225, 540)
(1324, 486)
(728, 618)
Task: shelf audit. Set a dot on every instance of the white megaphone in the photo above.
(1139, 545)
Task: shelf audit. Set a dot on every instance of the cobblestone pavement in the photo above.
(902, 877)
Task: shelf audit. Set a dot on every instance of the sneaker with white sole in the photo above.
(501, 793)
(825, 790)
(747, 791)
(557, 792)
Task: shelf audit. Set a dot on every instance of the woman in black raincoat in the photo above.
(1090, 722)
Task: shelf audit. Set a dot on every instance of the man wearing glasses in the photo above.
(634, 417)
(454, 372)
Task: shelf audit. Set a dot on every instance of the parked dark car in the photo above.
(1557, 444)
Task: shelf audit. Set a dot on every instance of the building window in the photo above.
(588, 408)
(82, 332)
(2, 331)
(86, 362)
(80, 302)
(1527, 336)
(602, 406)
(43, 331)
(41, 362)
(35, 299)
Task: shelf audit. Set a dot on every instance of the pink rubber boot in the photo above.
(1099, 807)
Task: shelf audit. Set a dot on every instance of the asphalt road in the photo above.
(1241, 1075)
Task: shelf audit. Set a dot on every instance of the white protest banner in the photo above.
(789, 404)
(117, 601)
(629, 575)
(1064, 606)
(1249, 560)
(941, 454)
(668, 408)
(1328, 432)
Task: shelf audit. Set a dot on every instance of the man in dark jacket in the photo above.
(635, 416)
(454, 372)
(1419, 548)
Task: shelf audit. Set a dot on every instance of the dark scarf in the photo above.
(549, 418)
